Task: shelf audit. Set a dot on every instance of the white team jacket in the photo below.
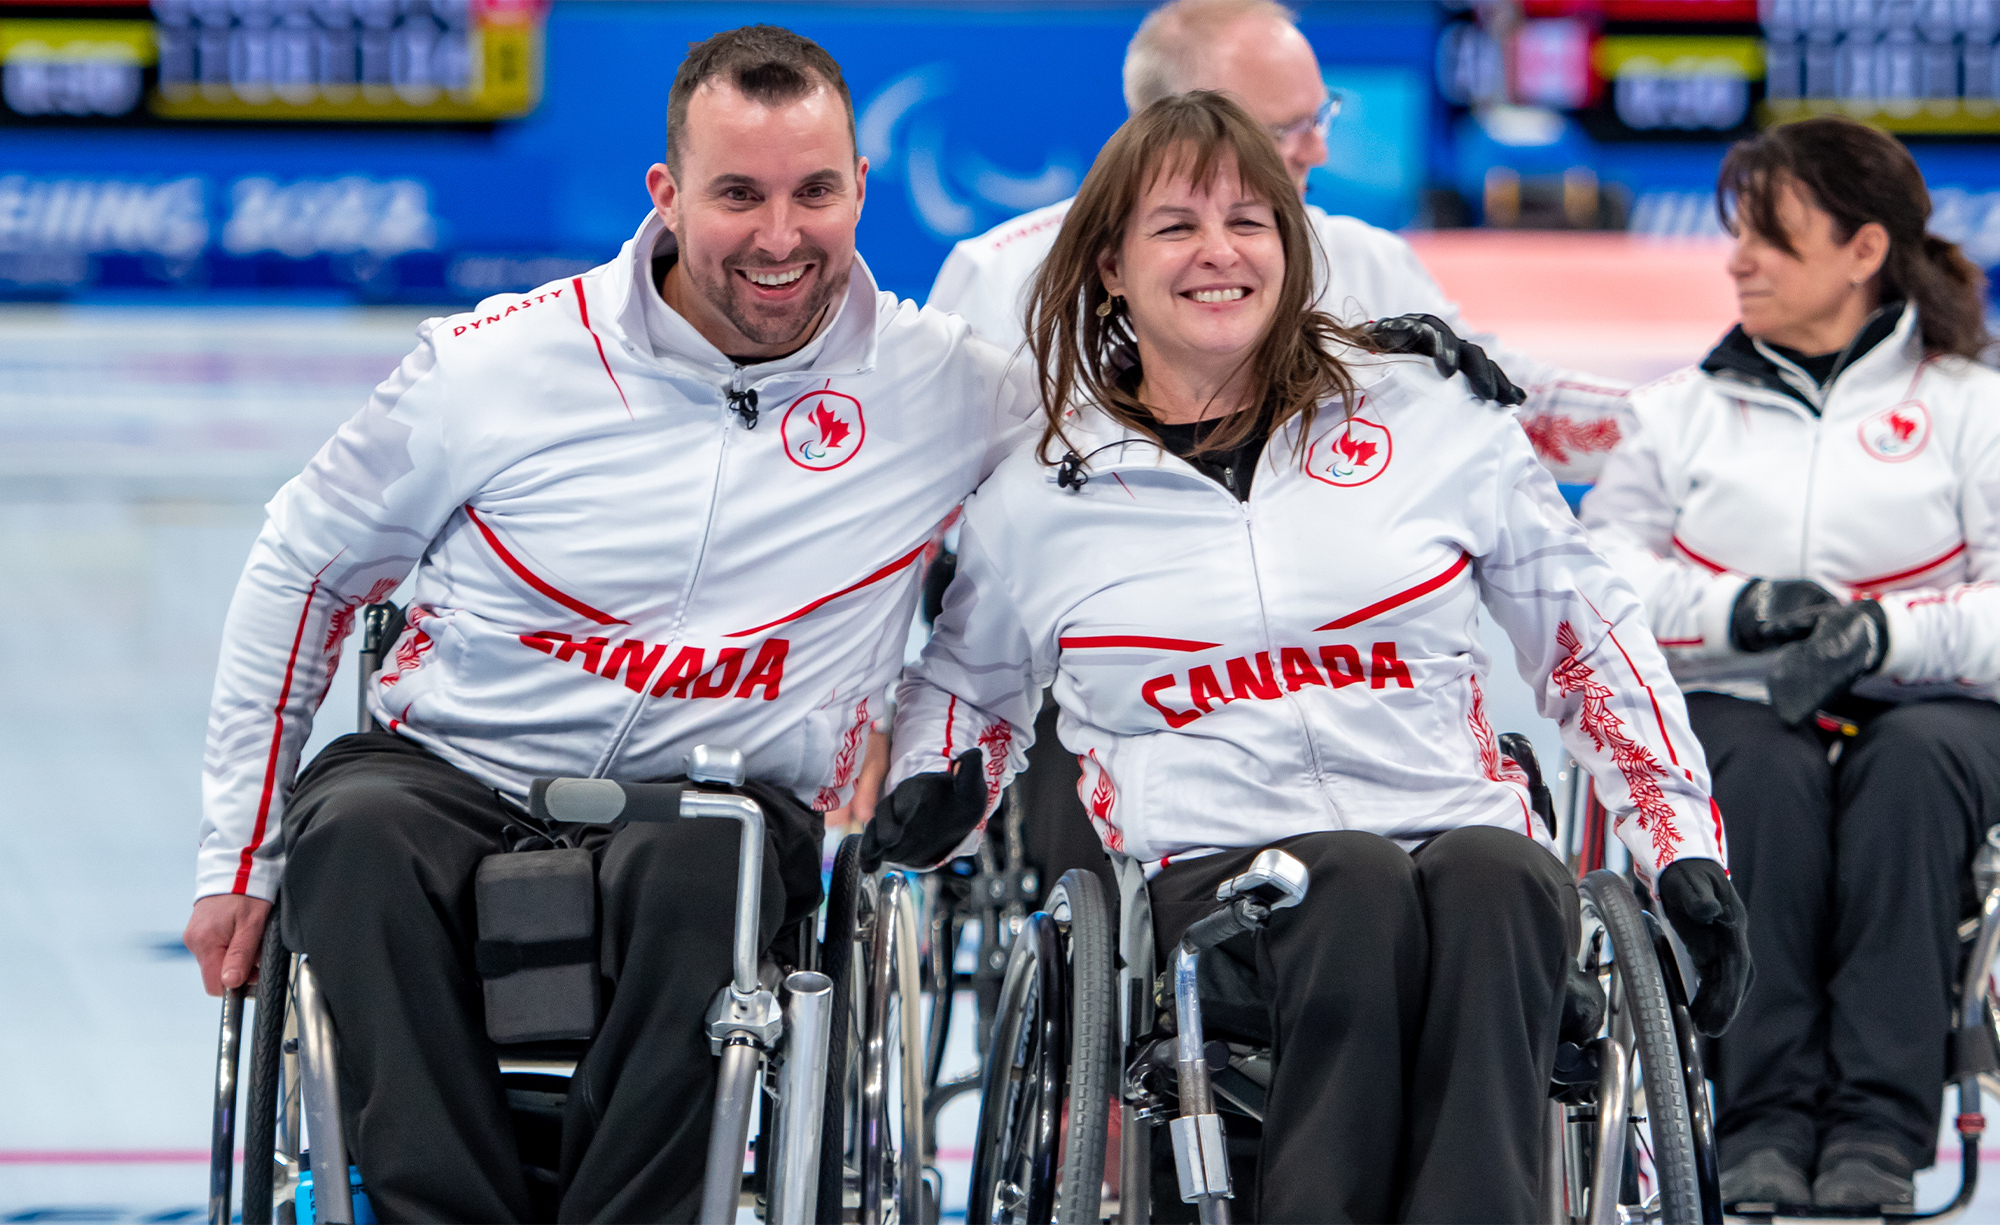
(1893, 491)
(610, 568)
(1364, 273)
(1232, 673)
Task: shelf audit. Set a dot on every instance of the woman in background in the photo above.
(1812, 516)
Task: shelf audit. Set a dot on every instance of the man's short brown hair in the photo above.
(769, 65)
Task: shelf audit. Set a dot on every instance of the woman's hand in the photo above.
(1769, 613)
(1847, 643)
(1711, 921)
(1433, 338)
(926, 816)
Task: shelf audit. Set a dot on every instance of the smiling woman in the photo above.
(1183, 249)
(1253, 585)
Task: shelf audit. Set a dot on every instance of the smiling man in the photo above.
(677, 500)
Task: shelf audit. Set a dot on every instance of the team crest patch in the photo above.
(823, 430)
(1354, 452)
(1898, 432)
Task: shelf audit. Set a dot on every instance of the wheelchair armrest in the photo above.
(601, 801)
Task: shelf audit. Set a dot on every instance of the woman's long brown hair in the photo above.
(1081, 355)
(1858, 175)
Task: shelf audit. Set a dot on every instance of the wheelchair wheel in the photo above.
(891, 1069)
(1050, 1068)
(839, 963)
(267, 1072)
(1618, 945)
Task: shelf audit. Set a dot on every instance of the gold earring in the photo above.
(1105, 307)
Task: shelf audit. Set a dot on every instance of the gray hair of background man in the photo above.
(769, 65)
(1165, 57)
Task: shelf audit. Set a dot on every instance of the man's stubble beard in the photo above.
(766, 329)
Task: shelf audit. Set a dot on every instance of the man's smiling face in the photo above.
(763, 203)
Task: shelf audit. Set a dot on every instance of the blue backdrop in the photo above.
(970, 113)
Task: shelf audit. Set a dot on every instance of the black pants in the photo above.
(1413, 1001)
(384, 840)
(1855, 875)
(1056, 834)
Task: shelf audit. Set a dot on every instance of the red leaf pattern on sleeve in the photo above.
(1634, 760)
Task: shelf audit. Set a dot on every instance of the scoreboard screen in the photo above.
(263, 61)
(1703, 69)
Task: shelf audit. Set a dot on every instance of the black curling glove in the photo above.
(1846, 644)
(1772, 612)
(1433, 338)
(1711, 921)
(925, 817)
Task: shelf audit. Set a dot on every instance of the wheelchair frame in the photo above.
(780, 1047)
(1973, 1040)
(1590, 1133)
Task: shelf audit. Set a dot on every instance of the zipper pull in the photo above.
(744, 405)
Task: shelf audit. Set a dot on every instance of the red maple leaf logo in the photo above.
(1902, 426)
(1358, 453)
(832, 430)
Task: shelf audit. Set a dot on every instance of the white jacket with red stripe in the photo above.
(1892, 490)
(1233, 673)
(1363, 273)
(610, 566)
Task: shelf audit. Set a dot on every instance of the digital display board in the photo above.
(259, 61)
(1687, 69)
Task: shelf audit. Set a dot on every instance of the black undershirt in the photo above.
(1233, 469)
(1819, 366)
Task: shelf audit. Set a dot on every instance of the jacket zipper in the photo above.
(1242, 508)
(732, 392)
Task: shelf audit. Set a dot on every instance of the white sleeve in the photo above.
(1630, 516)
(983, 294)
(341, 534)
(1581, 643)
(977, 685)
(1953, 633)
(1572, 418)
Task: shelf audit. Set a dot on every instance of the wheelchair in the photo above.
(822, 1033)
(1972, 1044)
(1076, 1034)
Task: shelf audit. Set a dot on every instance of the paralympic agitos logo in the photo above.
(823, 429)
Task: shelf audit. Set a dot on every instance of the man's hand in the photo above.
(1772, 612)
(225, 934)
(1711, 921)
(1433, 338)
(1847, 643)
(926, 816)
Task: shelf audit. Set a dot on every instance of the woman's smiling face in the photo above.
(1200, 269)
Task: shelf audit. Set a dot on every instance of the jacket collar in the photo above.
(1880, 347)
(1105, 445)
(846, 345)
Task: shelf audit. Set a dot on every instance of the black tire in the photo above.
(1656, 1044)
(837, 962)
(267, 1039)
(1707, 1164)
(1053, 1053)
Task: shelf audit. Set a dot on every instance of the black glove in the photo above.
(1433, 338)
(925, 817)
(1583, 1006)
(1847, 644)
(1772, 612)
(1709, 918)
